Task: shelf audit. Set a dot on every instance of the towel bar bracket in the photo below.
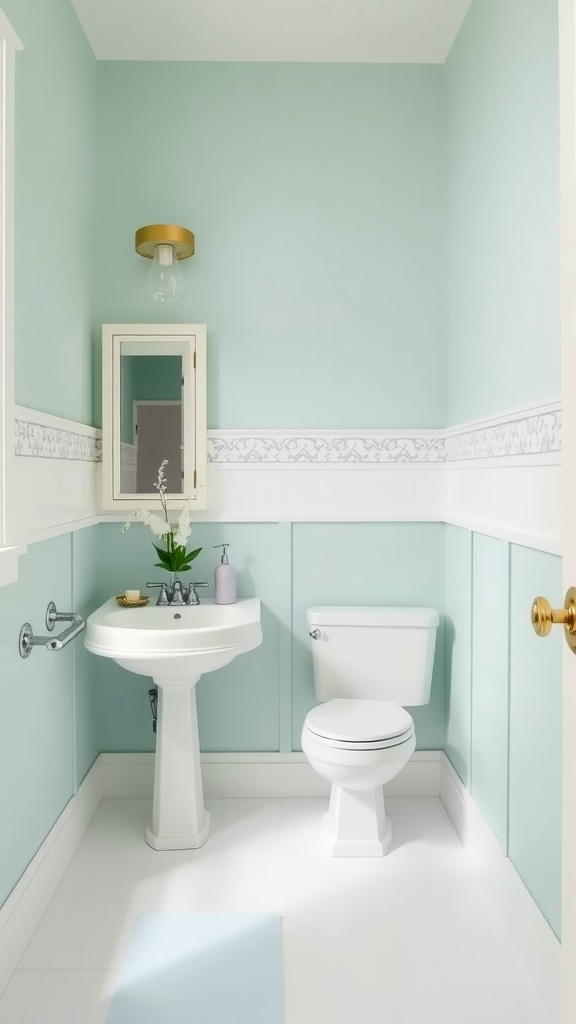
(27, 641)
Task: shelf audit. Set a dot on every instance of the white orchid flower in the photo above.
(183, 529)
(172, 557)
(158, 525)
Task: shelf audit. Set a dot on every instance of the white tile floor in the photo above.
(425, 935)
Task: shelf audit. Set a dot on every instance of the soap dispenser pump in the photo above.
(224, 579)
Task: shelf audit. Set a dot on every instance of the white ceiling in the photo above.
(372, 31)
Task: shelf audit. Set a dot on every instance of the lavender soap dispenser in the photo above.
(224, 579)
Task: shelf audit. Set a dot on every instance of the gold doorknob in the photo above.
(544, 617)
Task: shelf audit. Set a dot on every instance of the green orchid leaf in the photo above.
(166, 563)
(191, 555)
(165, 556)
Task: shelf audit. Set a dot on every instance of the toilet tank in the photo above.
(373, 653)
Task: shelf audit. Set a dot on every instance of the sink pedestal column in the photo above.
(179, 819)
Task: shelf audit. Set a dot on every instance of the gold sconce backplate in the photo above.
(147, 238)
(544, 617)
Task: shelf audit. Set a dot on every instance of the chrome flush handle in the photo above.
(315, 634)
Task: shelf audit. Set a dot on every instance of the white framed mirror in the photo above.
(153, 411)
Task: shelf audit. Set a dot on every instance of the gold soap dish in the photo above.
(132, 604)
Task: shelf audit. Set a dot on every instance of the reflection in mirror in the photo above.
(151, 420)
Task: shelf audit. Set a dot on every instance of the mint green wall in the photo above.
(490, 647)
(85, 554)
(315, 194)
(55, 210)
(536, 732)
(49, 719)
(49, 701)
(458, 569)
(502, 208)
(259, 702)
(507, 744)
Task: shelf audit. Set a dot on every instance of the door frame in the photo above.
(567, 80)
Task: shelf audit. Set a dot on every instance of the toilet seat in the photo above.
(360, 724)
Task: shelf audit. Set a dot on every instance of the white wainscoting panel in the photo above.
(317, 493)
(56, 475)
(520, 504)
(499, 476)
(503, 477)
(54, 496)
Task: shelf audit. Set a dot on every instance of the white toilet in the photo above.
(367, 663)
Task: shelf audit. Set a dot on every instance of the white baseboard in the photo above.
(260, 775)
(478, 838)
(21, 913)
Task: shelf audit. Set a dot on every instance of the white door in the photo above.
(567, 26)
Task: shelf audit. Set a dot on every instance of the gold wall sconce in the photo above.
(165, 245)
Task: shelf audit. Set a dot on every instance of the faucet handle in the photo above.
(163, 595)
(192, 597)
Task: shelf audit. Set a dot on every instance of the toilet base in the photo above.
(356, 823)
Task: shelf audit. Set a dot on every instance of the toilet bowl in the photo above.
(369, 663)
(358, 746)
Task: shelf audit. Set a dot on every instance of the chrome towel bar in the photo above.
(27, 640)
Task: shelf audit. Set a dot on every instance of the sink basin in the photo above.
(175, 644)
(174, 640)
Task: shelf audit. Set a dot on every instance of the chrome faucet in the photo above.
(192, 596)
(177, 594)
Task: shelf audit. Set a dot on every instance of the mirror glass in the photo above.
(151, 421)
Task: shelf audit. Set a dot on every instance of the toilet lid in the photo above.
(359, 721)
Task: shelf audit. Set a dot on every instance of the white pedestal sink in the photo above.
(175, 644)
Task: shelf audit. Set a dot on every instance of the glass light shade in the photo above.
(165, 276)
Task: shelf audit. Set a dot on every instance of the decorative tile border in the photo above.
(533, 432)
(37, 440)
(321, 448)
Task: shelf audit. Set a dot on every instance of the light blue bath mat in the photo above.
(202, 969)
